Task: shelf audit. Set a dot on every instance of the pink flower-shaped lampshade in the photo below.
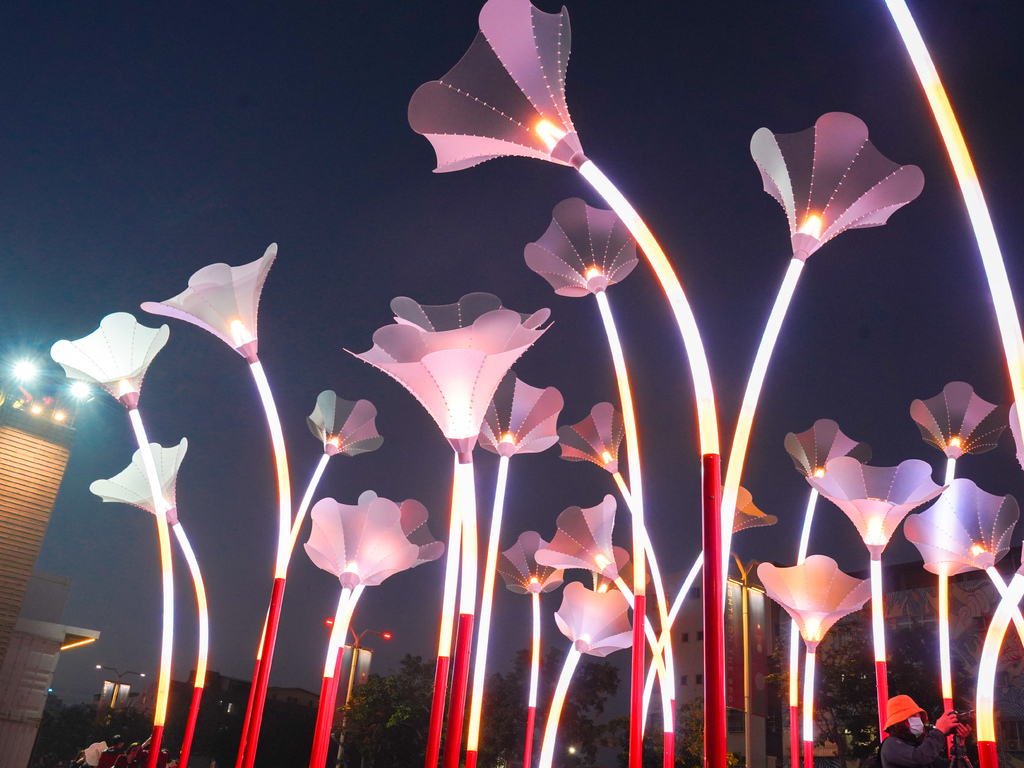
(453, 371)
(520, 418)
(361, 544)
(813, 449)
(597, 623)
(596, 438)
(583, 251)
(957, 421)
(115, 356)
(830, 178)
(522, 573)
(815, 593)
(414, 524)
(583, 540)
(506, 96)
(1018, 434)
(876, 499)
(130, 486)
(224, 301)
(747, 514)
(344, 426)
(965, 529)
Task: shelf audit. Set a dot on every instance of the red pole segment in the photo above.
(325, 712)
(882, 681)
(460, 680)
(248, 707)
(794, 736)
(636, 683)
(987, 757)
(714, 625)
(263, 678)
(190, 727)
(154, 746)
(437, 711)
(808, 754)
(670, 738)
(531, 717)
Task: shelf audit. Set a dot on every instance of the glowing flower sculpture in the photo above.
(965, 529)
(506, 96)
(224, 301)
(957, 421)
(344, 427)
(520, 419)
(876, 499)
(131, 486)
(816, 594)
(522, 573)
(811, 451)
(828, 179)
(597, 624)
(452, 358)
(362, 545)
(115, 357)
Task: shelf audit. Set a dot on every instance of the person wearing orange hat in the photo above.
(911, 742)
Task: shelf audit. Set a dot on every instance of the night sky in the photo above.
(141, 143)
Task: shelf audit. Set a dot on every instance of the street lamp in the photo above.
(353, 663)
(117, 682)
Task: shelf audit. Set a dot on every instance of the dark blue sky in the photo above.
(140, 143)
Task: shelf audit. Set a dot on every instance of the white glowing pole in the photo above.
(970, 188)
(808, 709)
(307, 498)
(444, 643)
(547, 751)
(878, 637)
(465, 492)
(329, 685)
(163, 534)
(486, 605)
(531, 712)
(204, 641)
(1002, 589)
(985, 704)
(794, 637)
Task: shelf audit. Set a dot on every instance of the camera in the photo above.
(964, 715)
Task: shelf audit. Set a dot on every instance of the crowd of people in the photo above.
(116, 755)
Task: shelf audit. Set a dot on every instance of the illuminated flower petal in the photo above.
(830, 178)
(957, 421)
(876, 499)
(455, 372)
(813, 449)
(748, 515)
(583, 540)
(361, 544)
(596, 622)
(596, 438)
(583, 251)
(506, 96)
(414, 525)
(130, 485)
(815, 593)
(344, 426)
(522, 573)
(115, 356)
(520, 418)
(224, 301)
(965, 529)
(1018, 434)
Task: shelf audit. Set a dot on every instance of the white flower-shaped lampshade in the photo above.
(815, 593)
(414, 524)
(830, 178)
(115, 356)
(344, 426)
(224, 301)
(747, 514)
(596, 438)
(957, 421)
(1018, 434)
(520, 418)
(583, 251)
(876, 499)
(522, 573)
(597, 623)
(583, 540)
(506, 96)
(813, 449)
(453, 371)
(965, 529)
(361, 544)
(130, 485)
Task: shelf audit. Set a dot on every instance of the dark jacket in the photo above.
(928, 752)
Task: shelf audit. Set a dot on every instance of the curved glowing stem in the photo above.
(945, 672)
(1001, 588)
(204, 639)
(547, 750)
(652, 640)
(970, 188)
(808, 710)
(950, 471)
(307, 497)
(284, 488)
(990, 656)
(486, 604)
(745, 420)
(878, 637)
(534, 657)
(466, 490)
(794, 631)
(329, 685)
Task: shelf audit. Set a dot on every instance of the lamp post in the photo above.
(119, 676)
(356, 647)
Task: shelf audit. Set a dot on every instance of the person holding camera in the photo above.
(912, 742)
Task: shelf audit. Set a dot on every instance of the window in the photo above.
(700, 636)
(698, 679)
(686, 637)
(734, 720)
(683, 680)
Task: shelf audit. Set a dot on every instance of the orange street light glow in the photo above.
(36, 409)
